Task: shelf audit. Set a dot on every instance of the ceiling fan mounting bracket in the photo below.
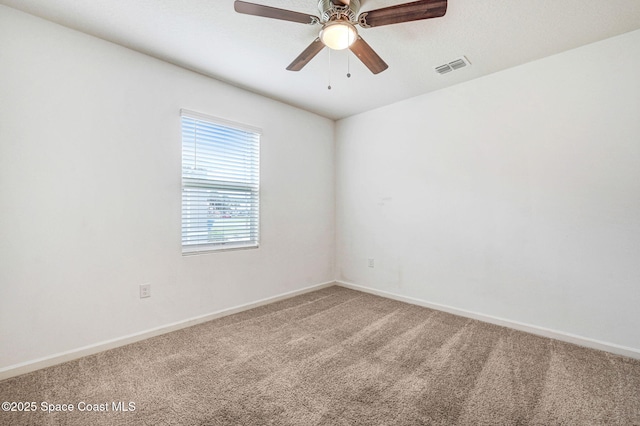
(329, 11)
(362, 20)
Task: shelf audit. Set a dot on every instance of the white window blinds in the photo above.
(220, 184)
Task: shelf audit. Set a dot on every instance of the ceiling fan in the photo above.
(339, 18)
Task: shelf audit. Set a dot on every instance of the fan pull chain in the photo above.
(329, 86)
(348, 65)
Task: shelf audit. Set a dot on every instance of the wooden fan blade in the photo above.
(274, 12)
(303, 59)
(414, 11)
(368, 56)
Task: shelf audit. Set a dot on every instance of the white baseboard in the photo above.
(540, 331)
(33, 365)
(37, 364)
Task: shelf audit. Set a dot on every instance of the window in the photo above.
(220, 184)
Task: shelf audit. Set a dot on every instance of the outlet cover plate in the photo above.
(145, 290)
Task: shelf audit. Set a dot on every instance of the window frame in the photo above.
(219, 185)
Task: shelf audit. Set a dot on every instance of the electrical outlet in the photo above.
(145, 290)
(371, 263)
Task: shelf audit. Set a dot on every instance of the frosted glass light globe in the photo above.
(338, 35)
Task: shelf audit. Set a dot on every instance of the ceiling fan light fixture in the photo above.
(338, 35)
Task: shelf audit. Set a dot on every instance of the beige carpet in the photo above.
(338, 357)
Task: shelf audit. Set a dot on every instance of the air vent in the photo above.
(454, 65)
(443, 69)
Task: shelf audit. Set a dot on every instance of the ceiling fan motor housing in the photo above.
(330, 11)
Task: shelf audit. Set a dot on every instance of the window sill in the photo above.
(192, 251)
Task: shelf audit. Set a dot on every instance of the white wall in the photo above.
(515, 196)
(90, 193)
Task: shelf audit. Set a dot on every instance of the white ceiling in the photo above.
(207, 36)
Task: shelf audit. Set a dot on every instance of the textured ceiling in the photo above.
(207, 36)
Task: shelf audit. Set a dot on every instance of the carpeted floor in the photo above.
(337, 357)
